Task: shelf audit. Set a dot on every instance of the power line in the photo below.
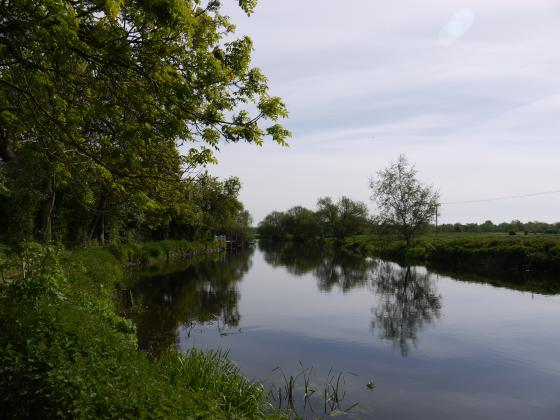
(510, 197)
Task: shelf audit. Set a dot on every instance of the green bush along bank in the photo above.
(474, 252)
(64, 351)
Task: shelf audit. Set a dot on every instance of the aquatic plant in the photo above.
(297, 394)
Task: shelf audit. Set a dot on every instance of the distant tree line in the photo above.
(515, 226)
(330, 219)
(405, 207)
(347, 218)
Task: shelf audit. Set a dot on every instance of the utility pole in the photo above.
(436, 219)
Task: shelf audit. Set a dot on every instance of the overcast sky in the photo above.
(468, 90)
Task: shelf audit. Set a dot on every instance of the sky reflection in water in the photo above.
(436, 347)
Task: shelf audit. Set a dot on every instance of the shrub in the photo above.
(64, 352)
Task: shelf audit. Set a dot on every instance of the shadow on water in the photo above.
(205, 292)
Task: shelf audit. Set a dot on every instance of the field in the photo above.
(483, 252)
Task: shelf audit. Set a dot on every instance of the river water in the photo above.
(402, 342)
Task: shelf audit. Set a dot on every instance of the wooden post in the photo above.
(436, 220)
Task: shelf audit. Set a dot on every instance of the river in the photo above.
(389, 341)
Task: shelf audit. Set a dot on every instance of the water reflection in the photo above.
(297, 259)
(202, 293)
(338, 312)
(331, 268)
(405, 298)
(408, 300)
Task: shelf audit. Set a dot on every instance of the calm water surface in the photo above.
(436, 347)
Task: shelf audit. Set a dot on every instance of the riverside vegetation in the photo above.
(484, 252)
(109, 113)
(484, 248)
(66, 353)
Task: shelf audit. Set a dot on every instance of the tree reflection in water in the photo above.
(205, 292)
(297, 259)
(408, 300)
(330, 267)
(407, 296)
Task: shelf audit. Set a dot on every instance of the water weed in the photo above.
(65, 352)
(297, 394)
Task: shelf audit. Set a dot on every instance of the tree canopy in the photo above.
(343, 218)
(402, 200)
(331, 219)
(113, 104)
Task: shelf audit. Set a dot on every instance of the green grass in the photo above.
(64, 352)
(162, 251)
(480, 251)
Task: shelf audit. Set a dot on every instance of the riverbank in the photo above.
(483, 253)
(65, 352)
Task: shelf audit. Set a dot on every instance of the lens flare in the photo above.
(459, 24)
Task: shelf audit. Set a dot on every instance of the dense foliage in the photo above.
(331, 219)
(201, 209)
(107, 109)
(65, 353)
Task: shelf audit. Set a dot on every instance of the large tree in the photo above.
(125, 97)
(343, 218)
(403, 201)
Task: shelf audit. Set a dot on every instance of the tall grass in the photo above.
(298, 395)
(219, 377)
(65, 353)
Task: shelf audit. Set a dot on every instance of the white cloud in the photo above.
(366, 81)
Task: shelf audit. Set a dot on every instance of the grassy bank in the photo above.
(64, 352)
(474, 252)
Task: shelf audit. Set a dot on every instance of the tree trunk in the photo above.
(407, 236)
(48, 209)
(102, 236)
(97, 227)
(93, 226)
(6, 147)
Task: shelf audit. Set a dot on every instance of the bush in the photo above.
(124, 252)
(468, 251)
(64, 352)
(415, 253)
